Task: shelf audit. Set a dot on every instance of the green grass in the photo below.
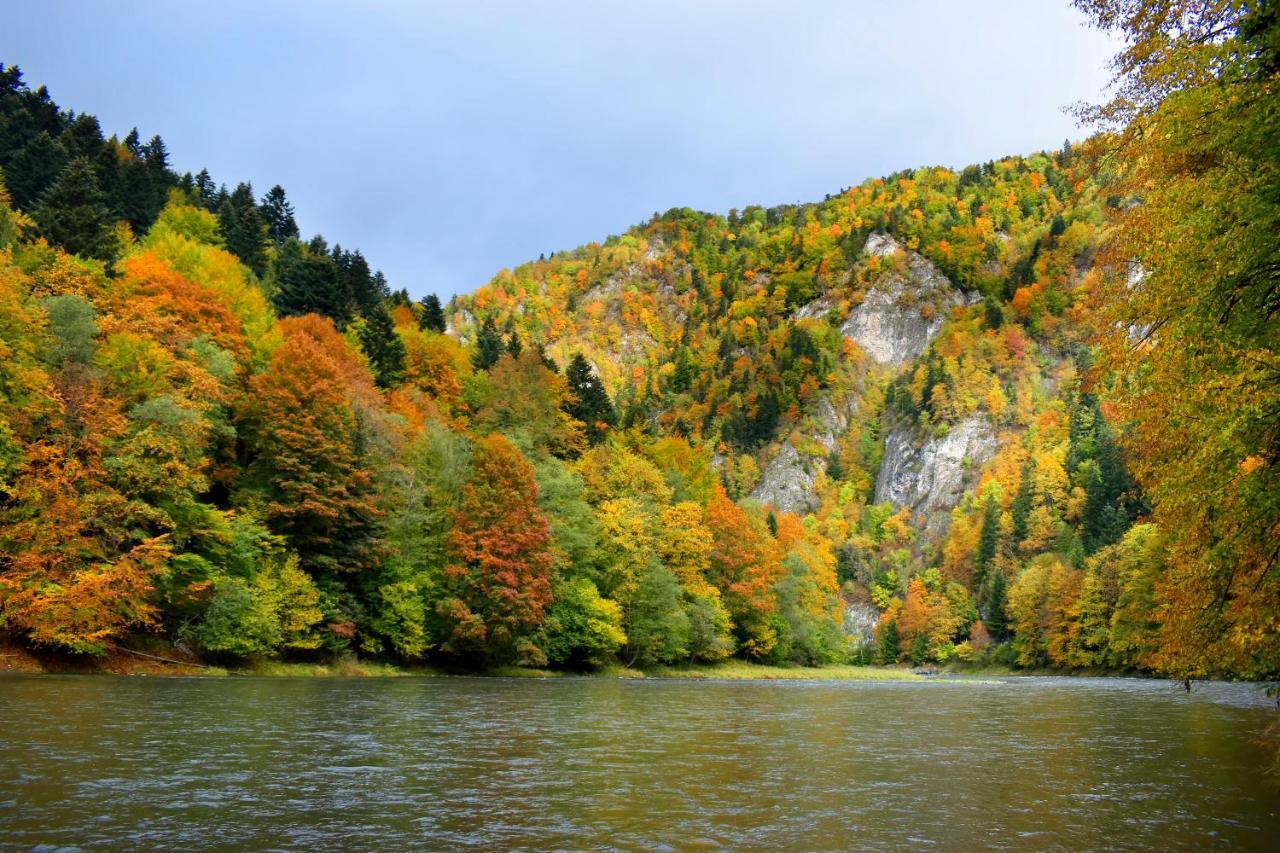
(743, 671)
(345, 668)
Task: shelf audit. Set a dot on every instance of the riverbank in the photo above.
(142, 658)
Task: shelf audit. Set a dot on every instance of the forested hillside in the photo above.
(940, 415)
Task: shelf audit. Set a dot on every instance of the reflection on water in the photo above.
(573, 763)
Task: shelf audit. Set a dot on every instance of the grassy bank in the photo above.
(157, 659)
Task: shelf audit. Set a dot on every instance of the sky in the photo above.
(447, 140)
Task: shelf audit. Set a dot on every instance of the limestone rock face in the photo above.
(930, 479)
(903, 311)
(787, 482)
(860, 621)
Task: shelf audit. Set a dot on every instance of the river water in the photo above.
(1020, 763)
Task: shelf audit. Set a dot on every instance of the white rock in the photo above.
(930, 479)
(890, 325)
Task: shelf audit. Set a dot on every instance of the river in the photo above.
(1018, 763)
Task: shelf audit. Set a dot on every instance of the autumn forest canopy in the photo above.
(1024, 413)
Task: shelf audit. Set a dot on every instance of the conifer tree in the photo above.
(278, 214)
(988, 542)
(383, 347)
(889, 646)
(73, 214)
(993, 614)
(489, 346)
(244, 229)
(589, 401)
(432, 316)
(307, 282)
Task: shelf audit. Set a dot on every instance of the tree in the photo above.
(383, 347)
(244, 229)
(489, 347)
(498, 580)
(582, 627)
(308, 465)
(588, 401)
(277, 212)
(307, 282)
(432, 315)
(657, 627)
(988, 542)
(993, 611)
(1189, 315)
(524, 400)
(74, 215)
(888, 644)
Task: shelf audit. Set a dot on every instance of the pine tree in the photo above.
(988, 542)
(73, 214)
(307, 283)
(489, 347)
(889, 646)
(993, 613)
(1021, 508)
(244, 229)
(383, 347)
(278, 214)
(589, 401)
(432, 316)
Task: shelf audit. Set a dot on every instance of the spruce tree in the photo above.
(72, 214)
(244, 229)
(514, 346)
(489, 347)
(993, 613)
(889, 646)
(384, 348)
(432, 316)
(278, 213)
(589, 402)
(988, 542)
(1021, 508)
(307, 282)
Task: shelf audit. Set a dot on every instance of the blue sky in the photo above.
(448, 140)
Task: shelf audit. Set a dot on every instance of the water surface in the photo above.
(590, 763)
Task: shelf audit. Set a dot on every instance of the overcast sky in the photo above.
(448, 140)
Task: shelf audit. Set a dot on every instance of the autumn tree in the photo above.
(308, 466)
(1190, 312)
(498, 580)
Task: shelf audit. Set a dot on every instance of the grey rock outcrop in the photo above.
(893, 325)
(787, 482)
(860, 620)
(929, 479)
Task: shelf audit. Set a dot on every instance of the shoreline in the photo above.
(161, 660)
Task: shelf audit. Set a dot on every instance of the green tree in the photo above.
(278, 214)
(384, 348)
(489, 347)
(432, 315)
(73, 214)
(656, 625)
(888, 645)
(988, 542)
(993, 612)
(244, 229)
(307, 282)
(588, 401)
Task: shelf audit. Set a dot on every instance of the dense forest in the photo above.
(1026, 413)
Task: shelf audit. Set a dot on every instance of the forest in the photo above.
(252, 445)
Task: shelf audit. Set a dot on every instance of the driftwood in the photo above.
(161, 659)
